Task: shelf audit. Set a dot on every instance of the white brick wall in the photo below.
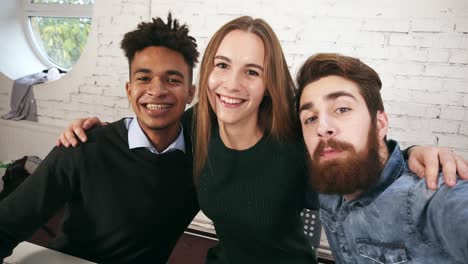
(419, 47)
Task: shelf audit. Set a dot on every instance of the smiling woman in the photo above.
(58, 29)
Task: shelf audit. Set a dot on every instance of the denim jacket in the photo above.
(399, 220)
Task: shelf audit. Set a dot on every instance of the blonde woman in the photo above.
(249, 166)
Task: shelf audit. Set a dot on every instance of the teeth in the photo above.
(230, 100)
(157, 106)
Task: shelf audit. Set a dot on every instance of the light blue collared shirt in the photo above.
(138, 139)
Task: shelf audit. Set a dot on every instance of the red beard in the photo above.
(357, 171)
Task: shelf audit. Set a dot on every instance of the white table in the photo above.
(27, 253)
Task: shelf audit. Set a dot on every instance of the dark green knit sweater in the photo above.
(123, 206)
(254, 198)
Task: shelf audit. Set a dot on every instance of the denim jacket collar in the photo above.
(394, 167)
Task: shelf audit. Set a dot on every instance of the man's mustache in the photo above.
(331, 143)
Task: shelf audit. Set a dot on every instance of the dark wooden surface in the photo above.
(191, 249)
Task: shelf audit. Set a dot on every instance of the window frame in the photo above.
(50, 10)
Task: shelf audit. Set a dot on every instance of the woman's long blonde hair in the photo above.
(276, 113)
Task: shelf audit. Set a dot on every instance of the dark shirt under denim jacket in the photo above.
(399, 220)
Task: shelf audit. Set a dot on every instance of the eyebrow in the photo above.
(248, 65)
(175, 72)
(328, 97)
(306, 106)
(168, 72)
(141, 70)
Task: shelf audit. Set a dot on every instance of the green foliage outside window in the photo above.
(62, 39)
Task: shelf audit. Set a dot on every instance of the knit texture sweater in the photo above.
(254, 198)
(122, 205)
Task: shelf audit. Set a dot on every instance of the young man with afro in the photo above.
(128, 193)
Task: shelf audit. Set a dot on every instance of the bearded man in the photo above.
(372, 207)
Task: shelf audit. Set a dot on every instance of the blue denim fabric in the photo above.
(399, 220)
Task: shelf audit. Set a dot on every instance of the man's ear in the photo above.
(382, 124)
(191, 93)
(127, 89)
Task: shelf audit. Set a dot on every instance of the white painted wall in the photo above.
(17, 59)
(419, 47)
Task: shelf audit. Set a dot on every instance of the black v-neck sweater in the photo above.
(122, 205)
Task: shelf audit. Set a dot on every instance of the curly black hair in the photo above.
(157, 33)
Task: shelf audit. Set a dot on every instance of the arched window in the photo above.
(58, 29)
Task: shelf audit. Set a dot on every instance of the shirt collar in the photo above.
(138, 139)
